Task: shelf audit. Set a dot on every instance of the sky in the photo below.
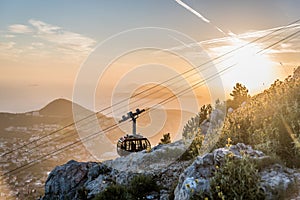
(99, 52)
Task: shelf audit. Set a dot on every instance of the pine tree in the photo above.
(239, 95)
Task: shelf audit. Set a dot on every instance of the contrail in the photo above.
(221, 30)
(199, 15)
(192, 10)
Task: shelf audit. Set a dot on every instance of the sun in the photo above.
(251, 66)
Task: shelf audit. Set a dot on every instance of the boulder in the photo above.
(66, 181)
(276, 180)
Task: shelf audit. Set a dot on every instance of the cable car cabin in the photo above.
(135, 142)
(130, 144)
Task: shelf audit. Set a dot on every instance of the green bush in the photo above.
(114, 192)
(141, 185)
(194, 149)
(234, 179)
(138, 188)
(82, 193)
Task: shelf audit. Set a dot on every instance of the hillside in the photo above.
(269, 121)
(256, 156)
(19, 129)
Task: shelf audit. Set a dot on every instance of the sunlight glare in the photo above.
(256, 71)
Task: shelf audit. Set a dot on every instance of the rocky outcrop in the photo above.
(68, 180)
(159, 158)
(196, 177)
(276, 180)
(76, 180)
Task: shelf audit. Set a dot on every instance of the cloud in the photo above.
(43, 41)
(37, 44)
(263, 38)
(9, 51)
(9, 36)
(268, 43)
(43, 27)
(64, 40)
(7, 45)
(272, 31)
(19, 28)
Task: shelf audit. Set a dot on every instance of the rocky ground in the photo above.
(179, 179)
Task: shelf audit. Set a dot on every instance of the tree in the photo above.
(166, 139)
(191, 129)
(239, 95)
(192, 133)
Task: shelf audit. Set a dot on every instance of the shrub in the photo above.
(236, 178)
(166, 139)
(82, 193)
(141, 185)
(138, 188)
(194, 149)
(114, 192)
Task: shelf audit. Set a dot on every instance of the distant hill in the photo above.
(59, 108)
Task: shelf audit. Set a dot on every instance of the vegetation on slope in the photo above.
(269, 121)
